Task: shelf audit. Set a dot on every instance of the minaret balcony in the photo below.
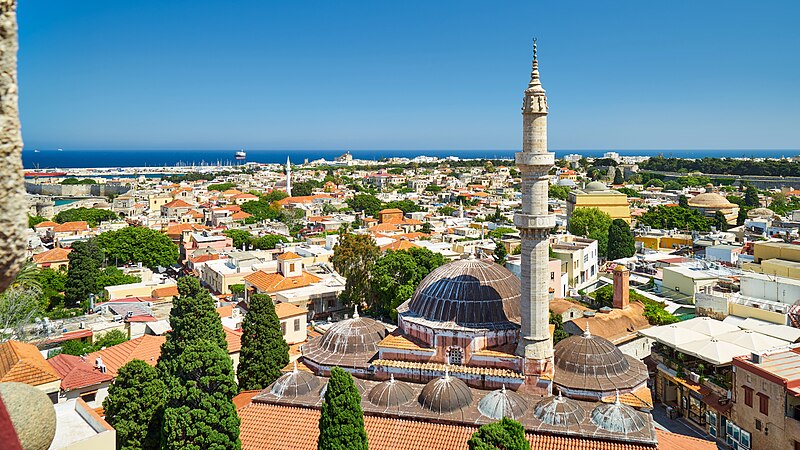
(534, 221)
(535, 159)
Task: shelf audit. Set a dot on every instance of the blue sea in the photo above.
(71, 158)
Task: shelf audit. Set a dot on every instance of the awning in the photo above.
(673, 335)
(714, 351)
(708, 326)
(751, 340)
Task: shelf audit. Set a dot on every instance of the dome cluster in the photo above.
(348, 343)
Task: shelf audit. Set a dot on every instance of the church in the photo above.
(472, 345)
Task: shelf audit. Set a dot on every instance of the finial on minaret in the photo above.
(355, 312)
(534, 49)
(586, 333)
(535, 69)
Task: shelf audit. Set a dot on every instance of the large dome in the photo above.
(349, 343)
(592, 363)
(710, 200)
(468, 292)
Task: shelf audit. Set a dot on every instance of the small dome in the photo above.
(502, 403)
(359, 385)
(559, 411)
(294, 383)
(468, 292)
(593, 363)
(710, 200)
(391, 393)
(617, 417)
(349, 343)
(760, 212)
(566, 182)
(445, 394)
(595, 186)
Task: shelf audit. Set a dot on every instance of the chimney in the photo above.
(621, 288)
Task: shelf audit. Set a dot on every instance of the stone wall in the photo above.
(76, 190)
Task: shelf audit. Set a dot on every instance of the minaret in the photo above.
(288, 177)
(534, 223)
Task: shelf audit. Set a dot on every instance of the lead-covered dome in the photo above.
(595, 186)
(593, 363)
(618, 418)
(503, 403)
(469, 292)
(349, 343)
(294, 383)
(391, 393)
(710, 200)
(445, 394)
(559, 411)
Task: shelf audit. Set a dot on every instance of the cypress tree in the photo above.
(84, 268)
(720, 221)
(618, 177)
(134, 406)
(193, 317)
(264, 351)
(199, 413)
(620, 240)
(507, 434)
(341, 422)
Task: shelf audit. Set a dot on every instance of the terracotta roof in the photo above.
(204, 258)
(240, 215)
(385, 227)
(617, 325)
(178, 203)
(288, 255)
(225, 311)
(639, 398)
(561, 305)
(46, 224)
(234, 340)
(269, 426)
(245, 195)
(391, 211)
(23, 363)
(302, 199)
(399, 244)
(284, 310)
(398, 340)
(231, 192)
(169, 291)
(67, 227)
(57, 254)
(146, 348)
(76, 372)
(275, 282)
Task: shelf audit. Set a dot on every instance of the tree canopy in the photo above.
(85, 260)
(341, 421)
(243, 239)
(592, 223)
(221, 186)
(367, 203)
(620, 240)
(92, 216)
(395, 276)
(559, 192)
(353, 257)
(138, 244)
(727, 166)
(507, 434)
(134, 406)
(669, 217)
(264, 351)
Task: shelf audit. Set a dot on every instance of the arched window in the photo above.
(455, 355)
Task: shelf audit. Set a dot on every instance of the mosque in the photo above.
(473, 344)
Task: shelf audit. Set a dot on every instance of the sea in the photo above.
(73, 158)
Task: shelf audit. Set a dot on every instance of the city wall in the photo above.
(76, 190)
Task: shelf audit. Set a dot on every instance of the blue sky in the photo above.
(407, 75)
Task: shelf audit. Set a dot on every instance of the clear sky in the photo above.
(194, 74)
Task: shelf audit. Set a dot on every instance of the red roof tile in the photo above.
(146, 348)
(23, 363)
(234, 340)
(57, 254)
(77, 373)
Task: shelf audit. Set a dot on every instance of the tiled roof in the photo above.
(275, 282)
(399, 244)
(288, 255)
(639, 398)
(67, 227)
(284, 310)
(146, 348)
(225, 311)
(269, 426)
(57, 254)
(240, 215)
(617, 325)
(76, 373)
(46, 224)
(234, 340)
(436, 367)
(23, 363)
(400, 341)
(169, 291)
(178, 203)
(560, 305)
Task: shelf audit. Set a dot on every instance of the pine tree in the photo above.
(341, 422)
(507, 434)
(751, 197)
(193, 317)
(84, 268)
(620, 240)
(134, 406)
(264, 351)
(199, 413)
(500, 253)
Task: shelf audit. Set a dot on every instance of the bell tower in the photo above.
(535, 223)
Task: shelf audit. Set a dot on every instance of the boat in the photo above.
(44, 173)
(241, 154)
(36, 151)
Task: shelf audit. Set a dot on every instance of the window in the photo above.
(763, 404)
(291, 267)
(296, 324)
(455, 355)
(736, 437)
(758, 425)
(552, 275)
(748, 396)
(283, 328)
(89, 397)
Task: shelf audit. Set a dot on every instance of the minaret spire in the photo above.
(288, 177)
(535, 70)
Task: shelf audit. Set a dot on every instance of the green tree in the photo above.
(500, 253)
(592, 223)
(113, 276)
(672, 185)
(620, 240)
(558, 333)
(72, 181)
(407, 206)
(268, 241)
(426, 228)
(35, 220)
(241, 238)
(138, 244)
(507, 434)
(666, 218)
(199, 412)
(193, 317)
(629, 192)
(367, 203)
(341, 421)
(618, 177)
(559, 192)
(305, 188)
(92, 216)
(720, 222)
(354, 257)
(446, 210)
(433, 188)
(52, 283)
(264, 351)
(655, 182)
(395, 276)
(221, 186)
(84, 268)
(683, 202)
(134, 406)
(751, 197)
